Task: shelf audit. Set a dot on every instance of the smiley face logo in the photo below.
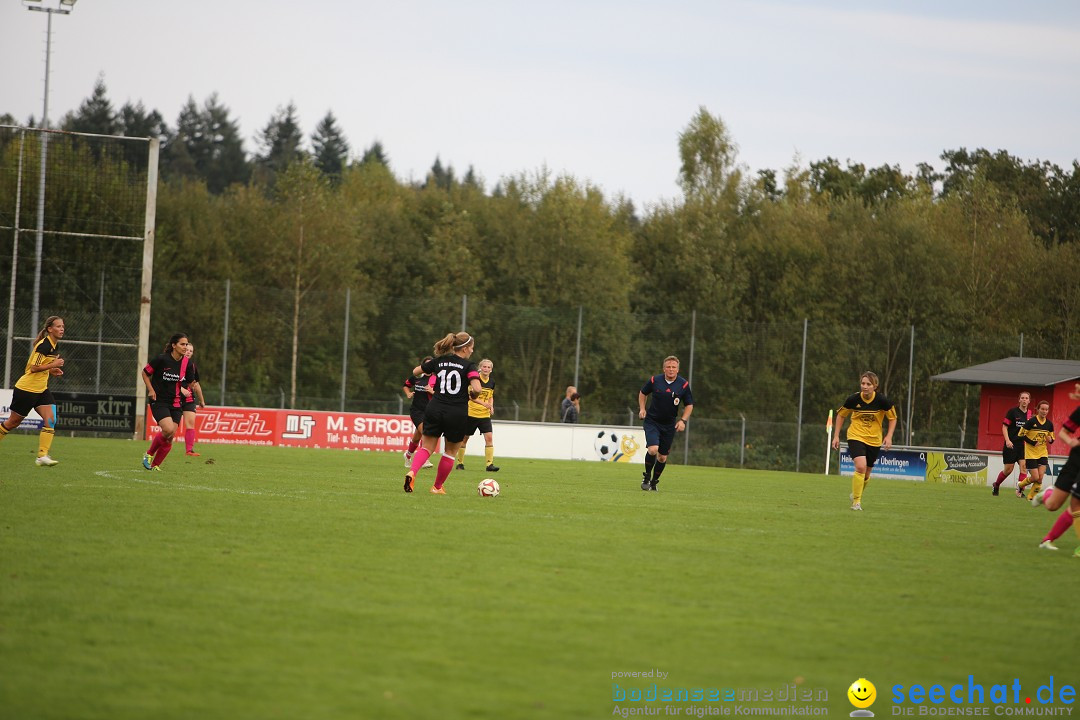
(862, 693)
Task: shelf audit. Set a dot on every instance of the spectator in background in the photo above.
(571, 405)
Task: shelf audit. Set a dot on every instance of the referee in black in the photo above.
(670, 408)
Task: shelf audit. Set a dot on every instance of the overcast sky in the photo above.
(598, 89)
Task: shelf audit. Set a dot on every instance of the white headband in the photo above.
(464, 344)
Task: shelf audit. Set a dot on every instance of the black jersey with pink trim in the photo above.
(419, 386)
(452, 375)
(167, 376)
(666, 397)
(1014, 420)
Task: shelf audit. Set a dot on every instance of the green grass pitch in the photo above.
(304, 584)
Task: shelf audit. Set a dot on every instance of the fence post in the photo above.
(517, 411)
(345, 349)
(464, 311)
(690, 379)
(100, 331)
(742, 442)
(577, 353)
(147, 279)
(802, 384)
(14, 265)
(225, 339)
(910, 379)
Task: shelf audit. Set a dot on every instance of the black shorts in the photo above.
(659, 434)
(449, 421)
(857, 448)
(1070, 473)
(23, 401)
(416, 414)
(160, 411)
(481, 424)
(1036, 462)
(1013, 455)
(189, 406)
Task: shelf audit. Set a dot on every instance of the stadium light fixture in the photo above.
(64, 8)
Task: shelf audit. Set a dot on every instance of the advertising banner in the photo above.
(95, 413)
(956, 467)
(898, 464)
(298, 428)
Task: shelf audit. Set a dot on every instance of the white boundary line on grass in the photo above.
(204, 488)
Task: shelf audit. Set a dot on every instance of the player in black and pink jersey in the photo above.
(1012, 450)
(165, 377)
(418, 388)
(192, 399)
(1067, 484)
(447, 414)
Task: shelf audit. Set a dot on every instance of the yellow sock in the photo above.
(3, 431)
(45, 441)
(1035, 488)
(461, 455)
(1022, 484)
(1076, 521)
(489, 454)
(858, 482)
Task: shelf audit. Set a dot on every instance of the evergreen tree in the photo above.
(376, 154)
(95, 114)
(331, 149)
(281, 141)
(207, 145)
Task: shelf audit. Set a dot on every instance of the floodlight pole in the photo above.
(63, 9)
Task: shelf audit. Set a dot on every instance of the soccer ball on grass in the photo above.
(488, 488)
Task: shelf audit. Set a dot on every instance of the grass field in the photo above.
(284, 583)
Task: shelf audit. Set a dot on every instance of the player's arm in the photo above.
(688, 410)
(840, 415)
(1027, 438)
(1005, 433)
(641, 404)
(199, 392)
(887, 441)
(56, 363)
(1068, 438)
(150, 393)
(474, 388)
(408, 391)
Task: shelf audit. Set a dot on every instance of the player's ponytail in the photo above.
(49, 321)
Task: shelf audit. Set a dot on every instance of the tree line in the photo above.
(974, 256)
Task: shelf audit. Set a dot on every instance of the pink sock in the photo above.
(418, 459)
(154, 444)
(159, 457)
(412, 446)
(1000, 479)
(446, 464)
(1063, 523)
(189, 439)
(1022, 478)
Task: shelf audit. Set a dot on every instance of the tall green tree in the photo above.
(280, 144)
(207, 146)
(330, 148)
(95, 115)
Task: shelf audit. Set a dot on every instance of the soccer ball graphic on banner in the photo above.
(607, 445)
(488, 488)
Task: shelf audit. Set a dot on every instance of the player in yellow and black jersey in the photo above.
(1037, 434)
(32, 392)
(868, 411)
(481, 408)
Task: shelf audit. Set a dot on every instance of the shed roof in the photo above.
(1033, 372)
